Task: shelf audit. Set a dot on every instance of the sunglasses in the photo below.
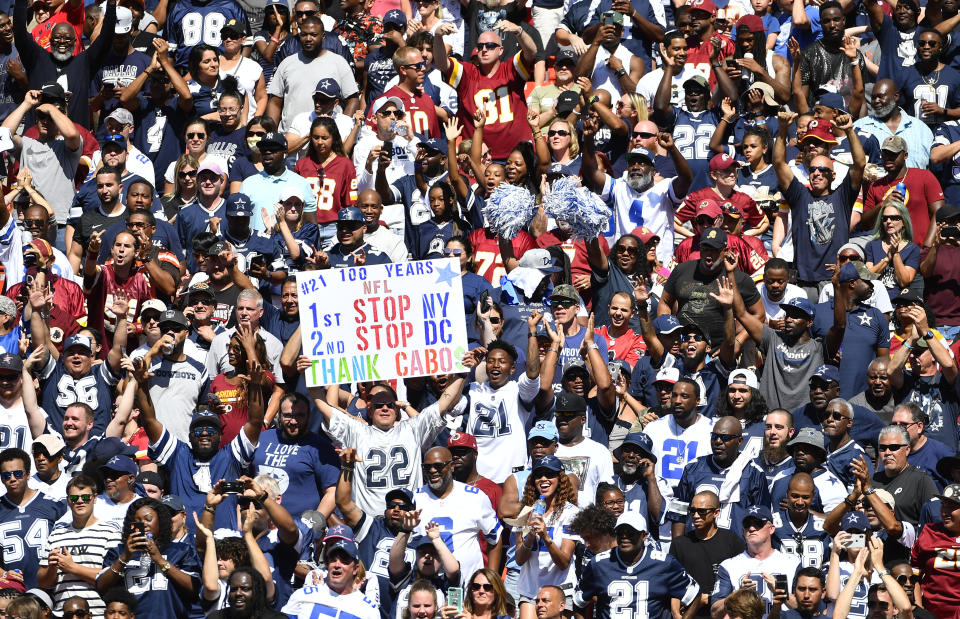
(395, 113)
(922, 43)
(305, 13)
(196, 136)
(645, 135)
(186, 174)
(891, 218)
(231, 36)
(848, 257)
(490, 45)
(256, 134)
(476, 586)
(821, 169)
(560, 132)
(835, 416)
(399, 505)
(435, 466)
(453, 252)
(890, 447)
(904, 579)
(703, 512)
(6, 475)
(30, 223)
(562, 303)
(494, 320)
(904, 424)
(78, 498)
(418, 66)
(726, 438)
(204, 430)
(628, 249)
(70, 614)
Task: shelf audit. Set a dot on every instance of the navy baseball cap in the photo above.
(855, 269)
(239, 205)
(802, 304)
(174, 502)
(832, 100)
(855, 520)
(112, 446)
(436, 144)
(272, 141)
(395, 17)
(122, 464)
(758, 512)
(640, 154)
(641, 440)
(116, 139)
(78, 340)
(206, 418)
(570, 402)
(566, 56)
(419, 540)
(400, 494)
(828, 373)
(340, 531)
(347, 546)
(328, 88)
(350, 213)
(551, 463)
(667, 323)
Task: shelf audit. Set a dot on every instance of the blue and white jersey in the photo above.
(691, 135)
(24, 530)
(540, 569)
(191, 480)
(60, 389)
(374, 540)
(839, 462)
(705, 474)
(156, 595)
(945, 134)
(315, 601)
(283, 558)
(784, 468)
(303, 468)
(635, 498)
(810, 542)
(733, 570)
(461, 515)
(191, 23)
(858, 607)
(643, 589)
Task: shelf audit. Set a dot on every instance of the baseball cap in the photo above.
(53, 92)
(272, 140)
(565, 292)
(173, 316)
(743, 376)
(438, 145)
(766, 89)
(382, 101)
(124, 21)
(347, 546)
(894, 144)
(197, 292)
(827, 373)
(832, 100)
(112, 446)
(211, 164)
(551, 463)
(155, 305)
(819, 130)
(808, 436)
(709, 208)
(233, 25)
(399, 494)
(206, 418)
(567, 102)
(751, 22)
(544, 429)
(666, 323)
(758, 512)
(946, 465)
(123, 464)
(947, 212)
(577, 365)
(419, 540)
(950, 493)
(667, 375)
(640, 154)
(713, 237)
(539, 259)
(802, 304)
(78, 340)
(339, 531)
(12, 579)
(51, 443)
(907, 296)
(721, 162)
(462, 439)
(395, 17)
(732, 210)
(645, 234)
(122, 115)
(150, 477)
(350, 213)
(858, 520)
(855, 270)
(174, 502)
(328, 88)
(7, 306)
(114, 139)
(239, 205)
(886, 497)
(10, 362)
(643, 441)
(698, 81)
(632, 518)
(703, 5)
(565, 56)
(570, 403)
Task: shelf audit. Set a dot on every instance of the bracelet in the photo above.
(556, 350)
(275, 40)
(166, 567)
(849, 503)
(869, 491)
(263, 497)
(855, 62)
(116, 571)
(212, 510)
(532, 334)
(593, 347)
(883, 572)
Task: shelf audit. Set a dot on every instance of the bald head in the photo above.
(728, 425)
(800, 482)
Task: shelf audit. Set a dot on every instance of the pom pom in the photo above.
(573, 203)
(509, 210)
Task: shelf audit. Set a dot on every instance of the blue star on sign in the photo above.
(446, 274)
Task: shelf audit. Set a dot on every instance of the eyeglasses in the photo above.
(6, 475)
(417, 66)
(627, 249)
(304, 13)
(891, 447)
(904, 579)
(70, 614)
(614, 503)
(395, 113)
(821, 169)
(560, 132)
(922, 43)
(891, 218)
(726, 438)
(703, 512)
(904, 424)
(490, 45)
(476, 586)
(435, 466)
(453, 252)
(196, 136)
(187, 174)
(79, 498)
(204, 430)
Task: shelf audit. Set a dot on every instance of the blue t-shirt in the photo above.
(867, 331)
(897, 49)
(283, 558)
(11, 93)
(304, 469)
(339, 260)
(571, 352)
(25, 531)
(227, 145)
(927, 457)
(158, 132)
(820, 226)
(938, 399)
(119, 71)
(910, 255)
(634, 38)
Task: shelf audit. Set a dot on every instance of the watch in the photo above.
(165, 567)
(621, 72)
(869, 491)
(928, 335)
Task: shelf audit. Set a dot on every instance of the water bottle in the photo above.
(145, 556)
(399, 129)
(746, 74)
(540, 507)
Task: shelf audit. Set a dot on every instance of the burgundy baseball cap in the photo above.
(753, 23)
(703, 5)
(710, 208)
(723, 161)
(462, 439)
(819, 130)
(645, 234)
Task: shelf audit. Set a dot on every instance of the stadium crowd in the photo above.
(734, 396)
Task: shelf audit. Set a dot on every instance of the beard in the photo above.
(773, 455)
(62, 56)
(884, 112)
(639, 181)
(628, 469)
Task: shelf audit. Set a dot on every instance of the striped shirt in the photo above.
(88, 547)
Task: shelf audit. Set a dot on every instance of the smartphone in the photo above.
(607, 18)
(455, 598)
(258, 260)
(231, 487)
(857, 540)
(781, 582)
(138, 527)
(388, 148)
(485, 302)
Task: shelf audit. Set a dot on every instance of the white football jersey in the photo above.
(318, 600)
(15, 428)
(462, 514)
(675, 447)
(499, 419)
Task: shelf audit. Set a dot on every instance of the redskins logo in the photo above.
(56, 335)
(454, 436)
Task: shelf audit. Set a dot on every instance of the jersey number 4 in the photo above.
(13, 542)
(392, 468)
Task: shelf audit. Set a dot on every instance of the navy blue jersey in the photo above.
(283, 558)
(942, 87)
(24, 533)
(191, 479)
(226, 144)
(810, 542)
(304, 468)
(867, 331)
(374, 540)
(279, 325)
(95, 389)
(643, 589)
(839, 462)
(691, 134)
(257, 243)
(158, 131)
(429, 238)
(339, 260)
(635, 497)
(775, 471)
(473, 287)
(949, 172)
(307, 238)
(191, 221)
(644, 376)
(156, 594)
(119, 71)
(938, 399)
(898, 50)
(705, 473)
(190, 23)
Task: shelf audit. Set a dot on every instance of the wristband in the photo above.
(883, 572)
(621, 72)
(928, 335)
(593, 347)
(532, 334)
(855, 62)
(869, 491)
(263, 497)
(212, 510)
(275, 40)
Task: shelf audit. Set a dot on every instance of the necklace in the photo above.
(930, 81)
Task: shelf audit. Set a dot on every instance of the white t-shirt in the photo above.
(247, 72)
(302, 122)
(648, 84)
(590, 462)
(14, 427)
(107, 510)
(773, 308)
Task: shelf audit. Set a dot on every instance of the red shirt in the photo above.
(629, 346)
(698, 55)
(336, 190)
(69, 305)
(752, 215)
(421, 112)
(138, 288)
(575, 250)
(236, 408)
(73, 15)
(501, 95)
(486, 253)
(493, 492)
(90, 144)
(923, 189)
(936, 554)
(751, 258)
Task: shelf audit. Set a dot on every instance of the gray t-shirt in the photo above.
(885, 413)
(296, 79)
(53, 166)
(785, 380)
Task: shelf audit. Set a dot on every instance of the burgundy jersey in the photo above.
(421, 112)
(750, 258)
(69, 307)
(501, 96)
(936, 554)
(486, 253)
(335, 185)
(751, 212)
(698, 56)
(137, 287)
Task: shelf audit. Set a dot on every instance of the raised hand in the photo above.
(850, 47)
(724, 295)
(479, 118)
(452, 129)
(202, 530)
(93, 245)
(843, 122)
(121, 304)
(410, 520)
(534, 319)
(728, 108)
(793, 48)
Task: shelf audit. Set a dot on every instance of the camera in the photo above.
(231, 487)
(951, 231)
